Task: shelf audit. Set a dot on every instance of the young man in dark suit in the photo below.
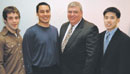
(115, 45)
(78, 39)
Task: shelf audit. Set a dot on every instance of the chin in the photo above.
(15, 28)
(109, 29)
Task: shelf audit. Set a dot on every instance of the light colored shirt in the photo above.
(112, 32)
(74, 27)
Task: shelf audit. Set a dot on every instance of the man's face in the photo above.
(74, 15)
(44, 14)
(111, 21)
(12, 20)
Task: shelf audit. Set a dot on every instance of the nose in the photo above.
(108, 20)
(72, 13)
(14, 19)
(45, 13)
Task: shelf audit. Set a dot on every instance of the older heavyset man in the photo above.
(78, 40)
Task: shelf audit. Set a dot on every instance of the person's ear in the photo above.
(5, 21)
(36, 14)
(118, 20)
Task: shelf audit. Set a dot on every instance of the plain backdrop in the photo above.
(92, 11)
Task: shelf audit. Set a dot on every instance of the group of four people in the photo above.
(78, 49)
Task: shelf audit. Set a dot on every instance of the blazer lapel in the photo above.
(63, 31)
(104, 55)
(112, 44)
(74, 35)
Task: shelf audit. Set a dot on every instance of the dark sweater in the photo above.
(40, 47)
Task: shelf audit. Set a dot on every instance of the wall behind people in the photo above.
(92, 11)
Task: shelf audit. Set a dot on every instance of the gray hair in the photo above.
(74, 4)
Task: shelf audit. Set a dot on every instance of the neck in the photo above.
(11, 30)
(44, 24)
(111, 29)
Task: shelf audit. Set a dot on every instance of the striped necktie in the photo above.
(66, 39)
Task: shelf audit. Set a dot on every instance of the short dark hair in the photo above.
(42, 3)
(10, 9)
(114, 10)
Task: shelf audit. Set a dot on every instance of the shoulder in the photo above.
(124, 36)
(32, 27)
(124, 40)
(65, 24)
(53, 27)
(31, 30)
(102, 33)
(2, 38)
(88, 24)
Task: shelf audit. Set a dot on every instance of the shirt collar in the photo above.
(75, 24)
(5, 31)
(112, 31)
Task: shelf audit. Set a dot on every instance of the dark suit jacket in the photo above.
(116, 59)
(80, 53)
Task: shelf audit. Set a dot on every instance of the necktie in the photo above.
(66, 38)
(106, 41)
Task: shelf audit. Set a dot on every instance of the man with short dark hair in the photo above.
(115, 45)
(40, 44)
(11, 57)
